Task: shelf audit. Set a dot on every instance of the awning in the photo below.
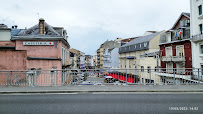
(122, 78)
(130, 57)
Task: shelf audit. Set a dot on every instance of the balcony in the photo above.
(107, 56)
(166, 59)
(170, 36)
(197, 38)
(107, 61)
(67, 62)
(178, 58)
(173, 59)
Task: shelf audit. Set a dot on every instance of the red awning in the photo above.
(122, 78)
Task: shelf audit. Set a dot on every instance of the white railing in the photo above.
(173, 58)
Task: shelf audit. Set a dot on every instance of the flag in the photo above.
(181, 32)
(175, 34)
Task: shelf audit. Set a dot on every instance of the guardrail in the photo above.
(101, 77)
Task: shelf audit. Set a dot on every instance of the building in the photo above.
(141, 53)
(44, 47)
(95, 60)
(82, 60)
(196, 32)
(89, 62)
(103, 53)
(41, 47)
(176, 55)
(114, 58)
(78, 59)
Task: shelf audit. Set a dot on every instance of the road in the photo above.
(102, 103)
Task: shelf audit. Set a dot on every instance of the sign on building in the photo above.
(38, 43)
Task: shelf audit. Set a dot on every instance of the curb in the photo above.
(85, 91)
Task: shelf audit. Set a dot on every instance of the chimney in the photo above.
(16, 26)
(41, 26)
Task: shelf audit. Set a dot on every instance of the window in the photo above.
(180, 51)
(181, 23)
(148, 69)
(200, 9)
(201, 49)
(168, 51)
(145, 44)
(140, 45)
(202, 69)
(200, 28)
(62, 55)
(135, 47)
(142, 68)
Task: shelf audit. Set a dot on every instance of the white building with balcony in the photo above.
(196, 32)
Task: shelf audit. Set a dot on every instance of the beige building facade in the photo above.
(141, 57)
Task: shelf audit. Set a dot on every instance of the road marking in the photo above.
(39, 94)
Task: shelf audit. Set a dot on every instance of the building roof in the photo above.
(182, 14)
(128, 39)
(142, 39)
(188, 14)
(15, 31)
(34, 31)
(51, 33)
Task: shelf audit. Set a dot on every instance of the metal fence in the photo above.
(101, 77)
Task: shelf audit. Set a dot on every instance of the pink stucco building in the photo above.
(41, 47)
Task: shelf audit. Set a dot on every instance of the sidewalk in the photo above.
(106, 88)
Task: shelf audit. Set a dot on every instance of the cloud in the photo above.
(91, 22)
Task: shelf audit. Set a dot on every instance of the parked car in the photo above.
(109, 79)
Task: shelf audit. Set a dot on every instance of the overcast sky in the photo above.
(91, 22)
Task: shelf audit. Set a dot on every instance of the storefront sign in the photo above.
(38, 43)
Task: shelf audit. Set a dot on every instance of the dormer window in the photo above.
(145, 44)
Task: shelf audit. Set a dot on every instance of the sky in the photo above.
(89, 23)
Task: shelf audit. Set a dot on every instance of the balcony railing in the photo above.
(107, 56)
(173, 58)
(166, 59)
(197, 38)
(178, 58)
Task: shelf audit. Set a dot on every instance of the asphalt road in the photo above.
(101, 103)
